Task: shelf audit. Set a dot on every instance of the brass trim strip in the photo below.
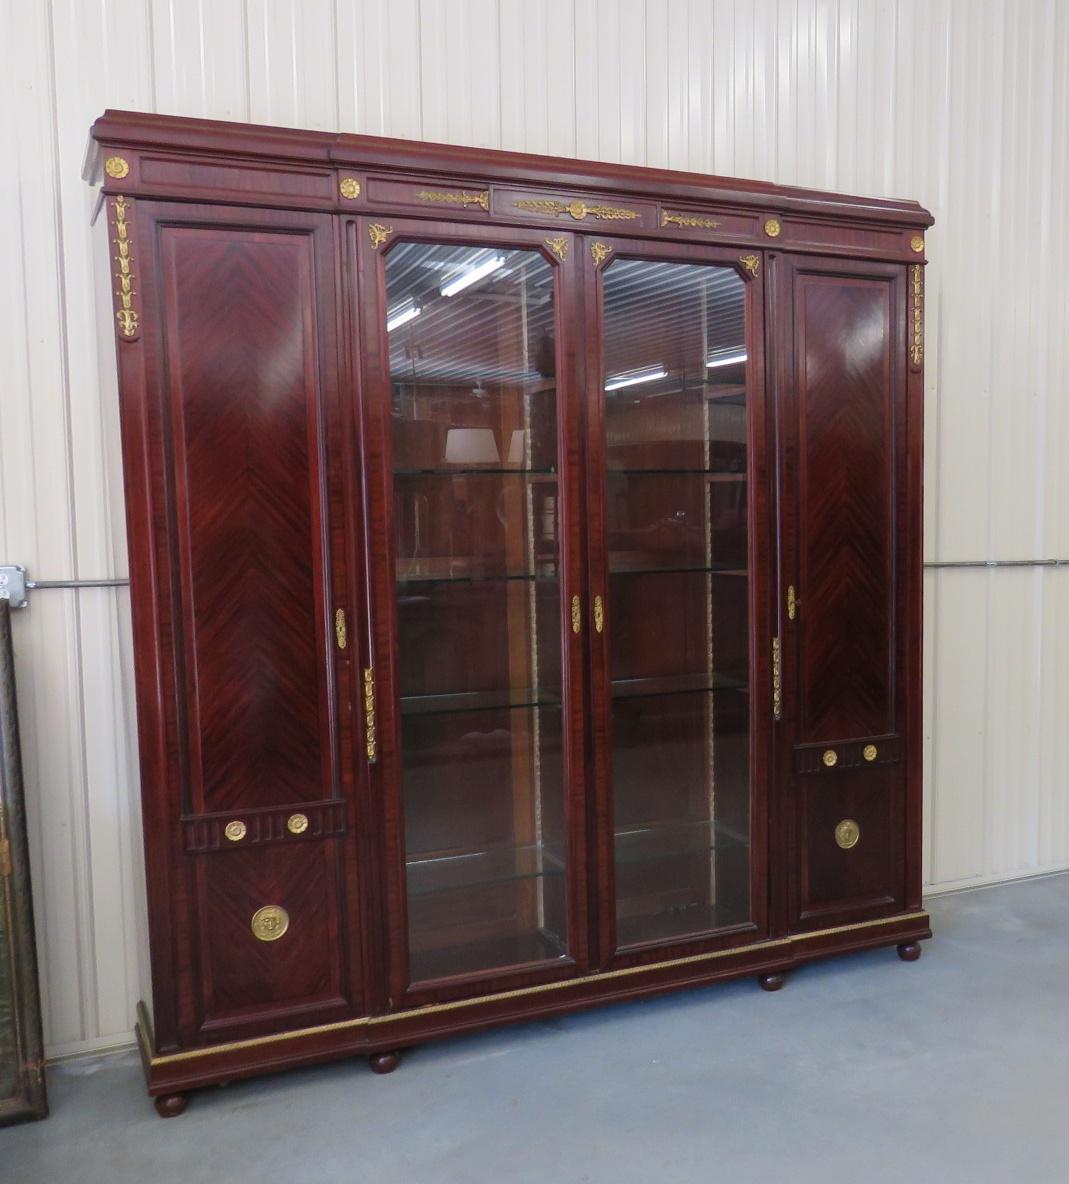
(670, 219)
(576, 209)
(145, 1027)
(464, 198)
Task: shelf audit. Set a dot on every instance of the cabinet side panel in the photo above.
(846, 551)
(244, 408)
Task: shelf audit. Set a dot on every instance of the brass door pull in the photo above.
(599, 614)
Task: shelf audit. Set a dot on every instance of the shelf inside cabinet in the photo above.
(476, 471)
(410, 572)
(715, 569)
(708, 474)
(687, 921)
(668, 839)
(463, 701)
(675, 684)
(480, 956)
(450, 871)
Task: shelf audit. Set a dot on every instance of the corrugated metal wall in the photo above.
(962, 104)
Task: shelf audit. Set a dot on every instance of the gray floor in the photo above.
(955, 1068)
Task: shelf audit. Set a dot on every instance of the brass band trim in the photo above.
(145, 1033)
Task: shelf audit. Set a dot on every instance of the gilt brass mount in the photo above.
(269, 923)
(847, 834)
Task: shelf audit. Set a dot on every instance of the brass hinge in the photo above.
(777, 679)
(792, 603)
(370, 726)
(340, 631)
(5, 858)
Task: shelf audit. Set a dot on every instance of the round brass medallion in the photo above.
(916, 243)
(831, 758)
(116, 166)
(235, 831)
(349, 187)
(869, 752)
(297, 824)
(847, 834)
(270, 922)
(773, 227)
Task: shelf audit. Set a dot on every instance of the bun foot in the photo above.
(171, 1105)
(909, 951)
(385, 1062)
(771, 982)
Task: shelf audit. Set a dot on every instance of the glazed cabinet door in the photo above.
(241, 594)
(678, 595)
(478, 650)
(849, 551)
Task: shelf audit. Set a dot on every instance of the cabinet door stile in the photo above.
(481, 678)
(678, 552)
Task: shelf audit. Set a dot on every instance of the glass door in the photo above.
(486, 662)
(674, 400)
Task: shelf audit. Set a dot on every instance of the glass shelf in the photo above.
(716, 569)
(666, 840)
(675, 684)
(458, 701)
(407, 578)
(538, 946)
(451, 871)
(675, 922)
(711, 474)
(475, 471)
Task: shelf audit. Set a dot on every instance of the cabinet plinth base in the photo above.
(771, 982)
(385, 1062)
(909, 951)
(171, 1105)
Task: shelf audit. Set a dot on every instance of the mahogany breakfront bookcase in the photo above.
(526, 577)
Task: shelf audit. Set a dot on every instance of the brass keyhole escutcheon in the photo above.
(599, 614)
(870, 752)
(577, 615)
(297, 824)
(831, 758)
(235, 831)
(269, 923)
(847, 834)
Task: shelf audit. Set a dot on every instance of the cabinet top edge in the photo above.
(144, 131)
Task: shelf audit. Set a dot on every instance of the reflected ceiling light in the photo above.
(472, 276)
(632, 377)
(728, 357)
(401, 314)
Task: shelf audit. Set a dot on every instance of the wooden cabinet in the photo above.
(525, 559)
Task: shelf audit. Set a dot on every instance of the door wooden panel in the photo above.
(239, 315)
(845, 514)
(840, 881)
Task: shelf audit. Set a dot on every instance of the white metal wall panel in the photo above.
(963, 104)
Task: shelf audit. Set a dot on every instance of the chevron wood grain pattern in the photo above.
(245, 407)
(846, 513)
(303, 970)
(836, 884)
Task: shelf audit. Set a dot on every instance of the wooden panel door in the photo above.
(238, 548)
(678, 559)
(842, 600)
(478, 648)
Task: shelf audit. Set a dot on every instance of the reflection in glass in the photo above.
(474, 435)
(675, 359)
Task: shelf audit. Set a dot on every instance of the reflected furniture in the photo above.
(526, 573)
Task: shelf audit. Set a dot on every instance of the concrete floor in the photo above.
(953, 1069)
